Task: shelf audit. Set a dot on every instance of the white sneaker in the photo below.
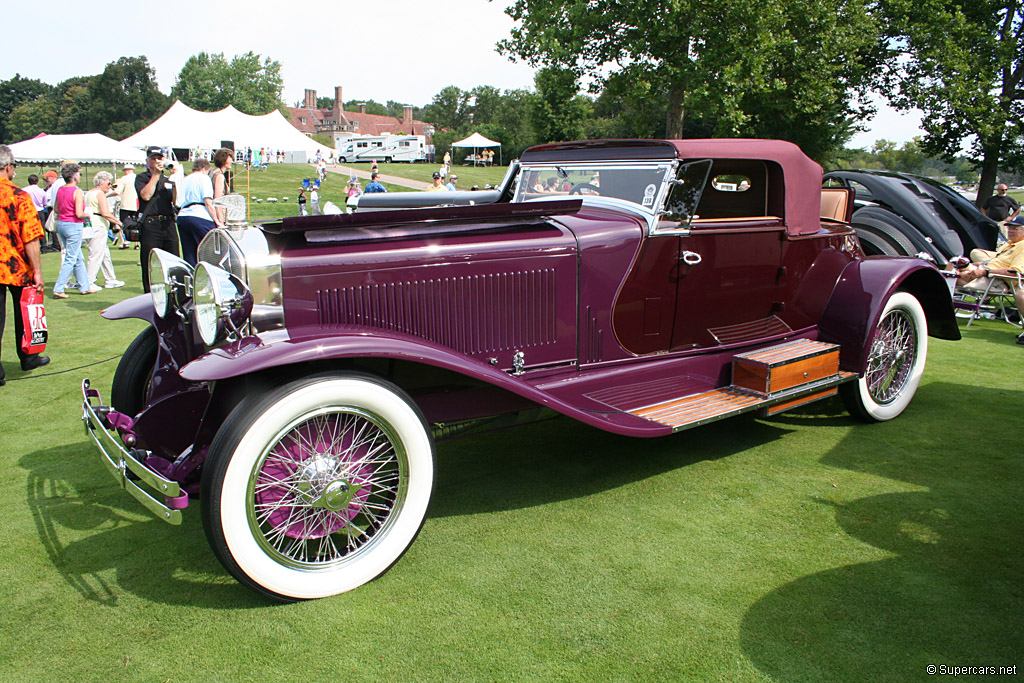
(114, 284)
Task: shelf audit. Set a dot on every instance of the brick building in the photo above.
(310, 120)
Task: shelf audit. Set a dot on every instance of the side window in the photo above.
(684, 195)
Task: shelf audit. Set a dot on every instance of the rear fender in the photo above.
(860, 295)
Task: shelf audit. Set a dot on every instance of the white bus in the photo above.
(386, 148)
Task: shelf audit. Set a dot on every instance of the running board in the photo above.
(773, 380)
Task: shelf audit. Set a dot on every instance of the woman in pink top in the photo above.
(71, 217)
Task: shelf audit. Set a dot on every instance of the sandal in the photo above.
(93, 290)
(60, 295)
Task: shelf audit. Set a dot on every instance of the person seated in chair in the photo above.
(1007, 260)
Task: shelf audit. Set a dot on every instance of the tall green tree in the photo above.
(961, 63)
(559, 111)
(125, 93)
(249, 82)
(449, 109)
(372, 107)
(14, 92)
(722, 62)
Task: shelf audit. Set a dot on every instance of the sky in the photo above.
(402, 50)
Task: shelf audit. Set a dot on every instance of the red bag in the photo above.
(33, 316)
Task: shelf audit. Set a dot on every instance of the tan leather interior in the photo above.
(836, 203)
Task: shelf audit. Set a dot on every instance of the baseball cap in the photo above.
(154, 152)
(129, 166)
(436, 175)
(1018, 221)
(50, 174)
(453, 176)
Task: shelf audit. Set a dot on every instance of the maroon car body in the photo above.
(300, 376)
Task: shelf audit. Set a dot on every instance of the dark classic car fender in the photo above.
(860, 296)
(140, 307)
(252, 355)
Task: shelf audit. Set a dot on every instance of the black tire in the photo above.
(134, 371)
(318, 486)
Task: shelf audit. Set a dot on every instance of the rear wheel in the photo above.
(896, 358)
(317, 487)
(133, 374)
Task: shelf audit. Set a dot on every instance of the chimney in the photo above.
(310, 101)
(407, 115)
(362, 107)
(339, 104)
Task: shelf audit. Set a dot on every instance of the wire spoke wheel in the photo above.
(318, 486)
(892, 357)
(326, 488)
(896, 354)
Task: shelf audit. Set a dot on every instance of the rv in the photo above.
(386, 148)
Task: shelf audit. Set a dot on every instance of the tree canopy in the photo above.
(249, 82)
(15, 92)
(784, 68)
(961, 62)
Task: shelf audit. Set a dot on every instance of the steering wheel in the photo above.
(577, 188)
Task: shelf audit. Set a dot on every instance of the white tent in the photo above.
(476, 141)
(87, 148)
(184, 127)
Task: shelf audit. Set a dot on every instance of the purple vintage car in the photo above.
(297, 379)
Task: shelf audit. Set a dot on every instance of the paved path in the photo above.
(349, 171)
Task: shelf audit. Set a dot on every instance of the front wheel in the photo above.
(317, 487)
(133, 374)
(896, 358)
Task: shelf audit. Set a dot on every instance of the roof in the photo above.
(84, 148)
(801, 175)
(306, 120)
(182, 126)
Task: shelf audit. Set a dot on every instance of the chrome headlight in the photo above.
(170, 282)
(222, 304)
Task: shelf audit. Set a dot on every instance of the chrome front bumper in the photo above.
(125, 465)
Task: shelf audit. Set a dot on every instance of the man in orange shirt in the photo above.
(20, 267)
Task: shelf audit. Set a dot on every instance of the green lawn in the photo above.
(807, 547)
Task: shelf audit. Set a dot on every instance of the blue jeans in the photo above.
(71, 235)
(192, 230)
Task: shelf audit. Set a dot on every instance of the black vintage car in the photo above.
(899, 214)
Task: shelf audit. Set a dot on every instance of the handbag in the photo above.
(132, 228)
(33, 316)
(132, 225)
(51, 221)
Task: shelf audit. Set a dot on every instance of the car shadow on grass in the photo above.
(562, 459)
(103, 542)
(949, 591)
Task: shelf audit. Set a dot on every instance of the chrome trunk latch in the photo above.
(518, 363)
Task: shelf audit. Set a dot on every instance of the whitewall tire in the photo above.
(318, 486)
(897, 351)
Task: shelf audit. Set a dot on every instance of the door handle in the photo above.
(690, 258)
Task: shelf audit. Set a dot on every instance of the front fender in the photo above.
(253, 354)
(140, 307)
(860, 295)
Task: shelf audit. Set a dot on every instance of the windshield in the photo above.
(639, 184)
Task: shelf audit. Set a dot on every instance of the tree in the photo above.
(961, 63)
(249, 82)
(14, 92)
(124, 93)
(31, 118)
(559, 112)
(204, 82)
(449, 109)
(718, 61)
(325, 102)
(371, 107)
